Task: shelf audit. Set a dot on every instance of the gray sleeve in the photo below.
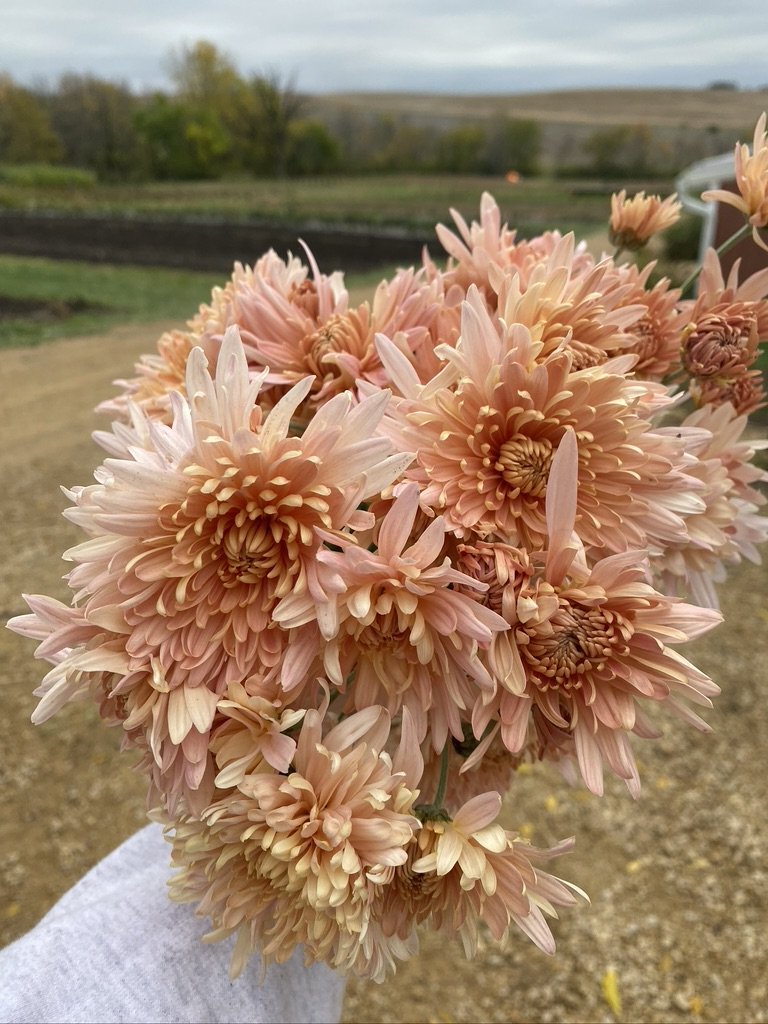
(114, 948)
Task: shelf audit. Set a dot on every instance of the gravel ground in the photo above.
(678, 879)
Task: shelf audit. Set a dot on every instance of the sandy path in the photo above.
(678, 879)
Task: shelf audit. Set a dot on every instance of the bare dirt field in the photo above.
(678, 879)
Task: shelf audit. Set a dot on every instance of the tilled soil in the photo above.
(678, 879)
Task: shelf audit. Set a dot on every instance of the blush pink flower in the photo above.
(470, 869)
(728, 527)
(294, 326)
(655, 336)
(395, 620)
(486, 429)
(594, 642)
(634, 221)
(751, 173)
(302, 857)
(585, 311)
(195, 536)
(486, 249)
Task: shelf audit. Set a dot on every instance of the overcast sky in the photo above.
(426, 45)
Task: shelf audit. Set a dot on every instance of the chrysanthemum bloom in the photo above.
(195, 539)
(296, 326)
(654, 337)
(634, 221)
(714, 291)
(256, 299)
(720, 342)
(157, 376)
(253, 731)
(593, 643)
(326, 837)
(728, 527)
(486, 429)
(751, 173)
(396, 622)
(745, 392)
(468, 869)
(585, 311)
(486, 248)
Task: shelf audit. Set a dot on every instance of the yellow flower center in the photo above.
(524, 464)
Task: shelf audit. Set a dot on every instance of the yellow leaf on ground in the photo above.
(610, 988)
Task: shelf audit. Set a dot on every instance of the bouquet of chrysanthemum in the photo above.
(345, 569)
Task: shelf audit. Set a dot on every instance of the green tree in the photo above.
(181, 143)
(409, 147)
(26, 135)
(622, 150)
(461, 150)
(205, 78)
(513, 145)
(266, 111)
(311, 150)
(95, 121)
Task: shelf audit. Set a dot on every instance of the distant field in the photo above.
(684, 125)
(410, 201)
(695, 108)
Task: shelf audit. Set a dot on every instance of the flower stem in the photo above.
(435, 811)
(729, 243)
(441, 782)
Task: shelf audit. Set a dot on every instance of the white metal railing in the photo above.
(704, 174)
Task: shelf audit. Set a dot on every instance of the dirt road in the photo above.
(678, 879)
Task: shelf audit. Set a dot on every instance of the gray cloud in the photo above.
(485, 46)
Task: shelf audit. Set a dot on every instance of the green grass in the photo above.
(46, 176)
(414, 201)
(115, 295)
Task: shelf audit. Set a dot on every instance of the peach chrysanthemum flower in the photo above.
(487, 248)
(469, 869)
(302, 857)
(198, 532)
(751, 173)
(593, 642)
(585, 312)
(728, 527)
(486, 429)
(252, 731)
(157, 376)
(295, 326)
(720, 341)
(634, 221)
(655, 336)
(395, 620)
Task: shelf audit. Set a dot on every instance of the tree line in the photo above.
(216, 122)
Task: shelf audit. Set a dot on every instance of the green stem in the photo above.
(435, 811)
(441, 782)
(728, 244)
